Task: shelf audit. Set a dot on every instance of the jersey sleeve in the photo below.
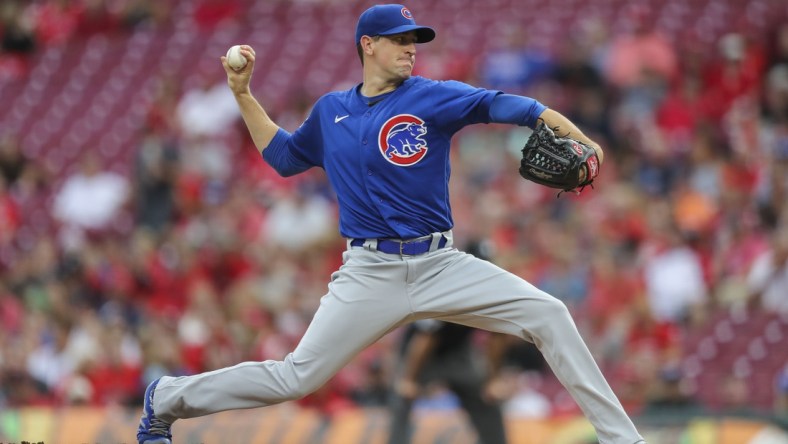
(459, 104)
(291, 154)
(517, 110)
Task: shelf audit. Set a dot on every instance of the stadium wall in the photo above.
(288, 424)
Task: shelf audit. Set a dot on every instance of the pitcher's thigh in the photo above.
(349, 319)
(480, 294)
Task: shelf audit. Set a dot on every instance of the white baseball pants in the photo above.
(373, 293)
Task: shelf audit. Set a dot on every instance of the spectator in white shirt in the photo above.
(91, 198)
(768, 278)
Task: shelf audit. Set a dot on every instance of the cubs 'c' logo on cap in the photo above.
(401, 140)
(406, 13)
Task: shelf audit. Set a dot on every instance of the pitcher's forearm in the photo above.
(261, 127)
(565, 128)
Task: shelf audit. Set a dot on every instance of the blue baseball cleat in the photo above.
(152, 430)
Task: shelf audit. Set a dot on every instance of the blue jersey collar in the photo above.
(366, 102)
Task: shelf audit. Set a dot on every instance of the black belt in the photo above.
(408, 247)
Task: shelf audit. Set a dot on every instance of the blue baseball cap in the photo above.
(389, 20)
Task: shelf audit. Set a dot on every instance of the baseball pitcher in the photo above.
(384, 145)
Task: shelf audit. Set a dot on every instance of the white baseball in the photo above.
(235, 59)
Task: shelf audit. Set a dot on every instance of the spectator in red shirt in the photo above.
(736, 73)
(640, 53)
(55, 21)
(9, 214)
(96, 18)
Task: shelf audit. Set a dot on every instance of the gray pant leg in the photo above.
(360, 307)
(479, 294)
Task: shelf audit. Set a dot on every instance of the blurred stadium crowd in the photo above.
(174, 249)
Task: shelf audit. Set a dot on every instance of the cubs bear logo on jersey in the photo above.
(401, 140)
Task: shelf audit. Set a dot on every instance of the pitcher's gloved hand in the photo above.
(558, 162)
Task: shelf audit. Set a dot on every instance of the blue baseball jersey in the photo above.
(387, 157)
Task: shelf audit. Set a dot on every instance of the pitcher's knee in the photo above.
(293, 392)
(297, 392)
(552, 315)
(554, 309)
(298, 389)
(296, 380)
